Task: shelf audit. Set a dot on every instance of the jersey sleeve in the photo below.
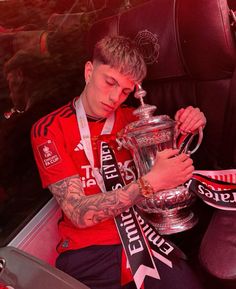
(53, 161)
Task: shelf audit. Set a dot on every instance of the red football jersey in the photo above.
(59, 154)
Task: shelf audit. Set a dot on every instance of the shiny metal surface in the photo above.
(168, 210)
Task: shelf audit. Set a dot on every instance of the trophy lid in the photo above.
(146, 121)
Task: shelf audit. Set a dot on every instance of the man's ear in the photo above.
(88, 69)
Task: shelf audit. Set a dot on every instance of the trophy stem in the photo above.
(173, 221)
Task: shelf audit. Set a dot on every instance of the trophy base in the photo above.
(168, 222)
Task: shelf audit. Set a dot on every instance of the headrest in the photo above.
(152, 25)
(206, 40)
(177, 37)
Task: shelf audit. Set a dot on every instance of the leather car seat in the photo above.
(189, 48)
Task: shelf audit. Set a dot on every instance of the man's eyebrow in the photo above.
(112, 78)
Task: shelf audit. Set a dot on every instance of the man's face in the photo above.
(106, 88)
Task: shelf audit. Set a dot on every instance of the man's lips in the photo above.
(108, 107)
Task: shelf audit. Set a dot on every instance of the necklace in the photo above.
(94, 118)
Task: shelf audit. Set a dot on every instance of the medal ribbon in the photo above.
(216, 188)
(134, 243)
(86, 138)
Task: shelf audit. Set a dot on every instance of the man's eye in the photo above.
(111, 83)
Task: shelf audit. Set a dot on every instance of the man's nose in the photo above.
(115, 94)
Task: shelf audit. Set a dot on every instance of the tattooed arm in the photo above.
(168, 171)
(85, 211)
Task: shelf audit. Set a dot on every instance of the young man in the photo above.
(67, 143)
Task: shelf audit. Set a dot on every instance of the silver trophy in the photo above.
(168, 210)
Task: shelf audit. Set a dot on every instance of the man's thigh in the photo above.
(98, 267)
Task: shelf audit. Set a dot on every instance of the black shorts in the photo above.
(99, 267)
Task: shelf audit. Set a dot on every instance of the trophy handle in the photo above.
(183, 141)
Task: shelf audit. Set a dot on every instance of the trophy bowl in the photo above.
(168, 210)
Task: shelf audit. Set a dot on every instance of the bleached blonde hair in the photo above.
(121, 53)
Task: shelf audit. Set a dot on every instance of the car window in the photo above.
(41, 60)
(42, 56)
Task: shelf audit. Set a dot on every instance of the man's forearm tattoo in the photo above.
(86, 211)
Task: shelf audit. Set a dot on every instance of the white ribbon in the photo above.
(86, 137)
